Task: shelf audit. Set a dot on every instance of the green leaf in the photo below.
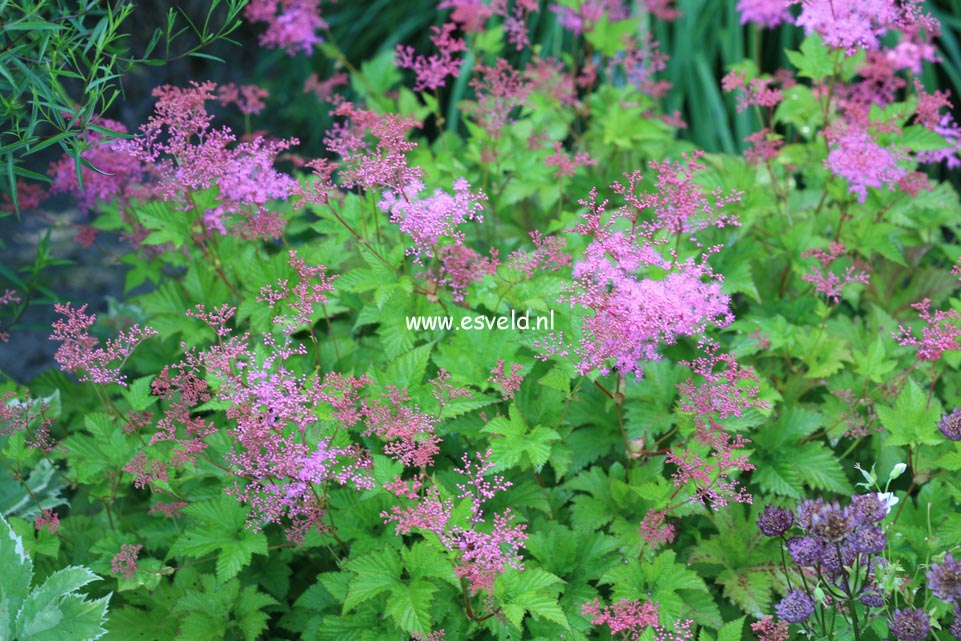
(53, 612)
(819, 468)
(519, 445)
(912, 422)
(824, 354)
(16, 574)
(376, 573)
(138, 394)
(814, 60)
(608, 35)
(220, 525)
(409, 605)
(872, 362)
(950, 460)
(532, 591)
(251, 619)
(408, 369)
(557, 379)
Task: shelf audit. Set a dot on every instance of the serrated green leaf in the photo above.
(409, 368)
(950, 461)
(557, 379)
(814, 60)
(819, 468)
(251, 619)
(409, 605)
(54, 607)
(376, 573)
(872, 362)
(16, 574)
(731, 631)
(138, 394)
(912, 421)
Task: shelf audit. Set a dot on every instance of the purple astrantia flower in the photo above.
(775, 521)
(805, 551)
(909, 625)
(950, 425)
(944, 579)
(829, 523)
(834, 564)
(955, 627)
(868, 539)
(872, 598)
(871, 507)
(795, 607)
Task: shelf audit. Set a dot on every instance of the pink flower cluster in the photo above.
(116, 173)
(294, 29)
(408, 433)
(508, 383)
(188, 154)
(28, 416)
(628, 617)
(858, 24)
(856, 157)
(81, 352)
(9, 297)
(499, 89)
(565, 163)
(482, 552)
(757, 91)
(248, 98)
(586, 14)
(765, 13)
(430, 219)
(472, 15)
(460, 266)
(939, 336)
(768, 630)
(324, 89)
(125, 561)
(827, 282)
(381, 166)
(548, 255)
(281, 453)
(311, 289)
(432, 71)
(726, 391)
(47, 520)
(639, 297)
(655, 530)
